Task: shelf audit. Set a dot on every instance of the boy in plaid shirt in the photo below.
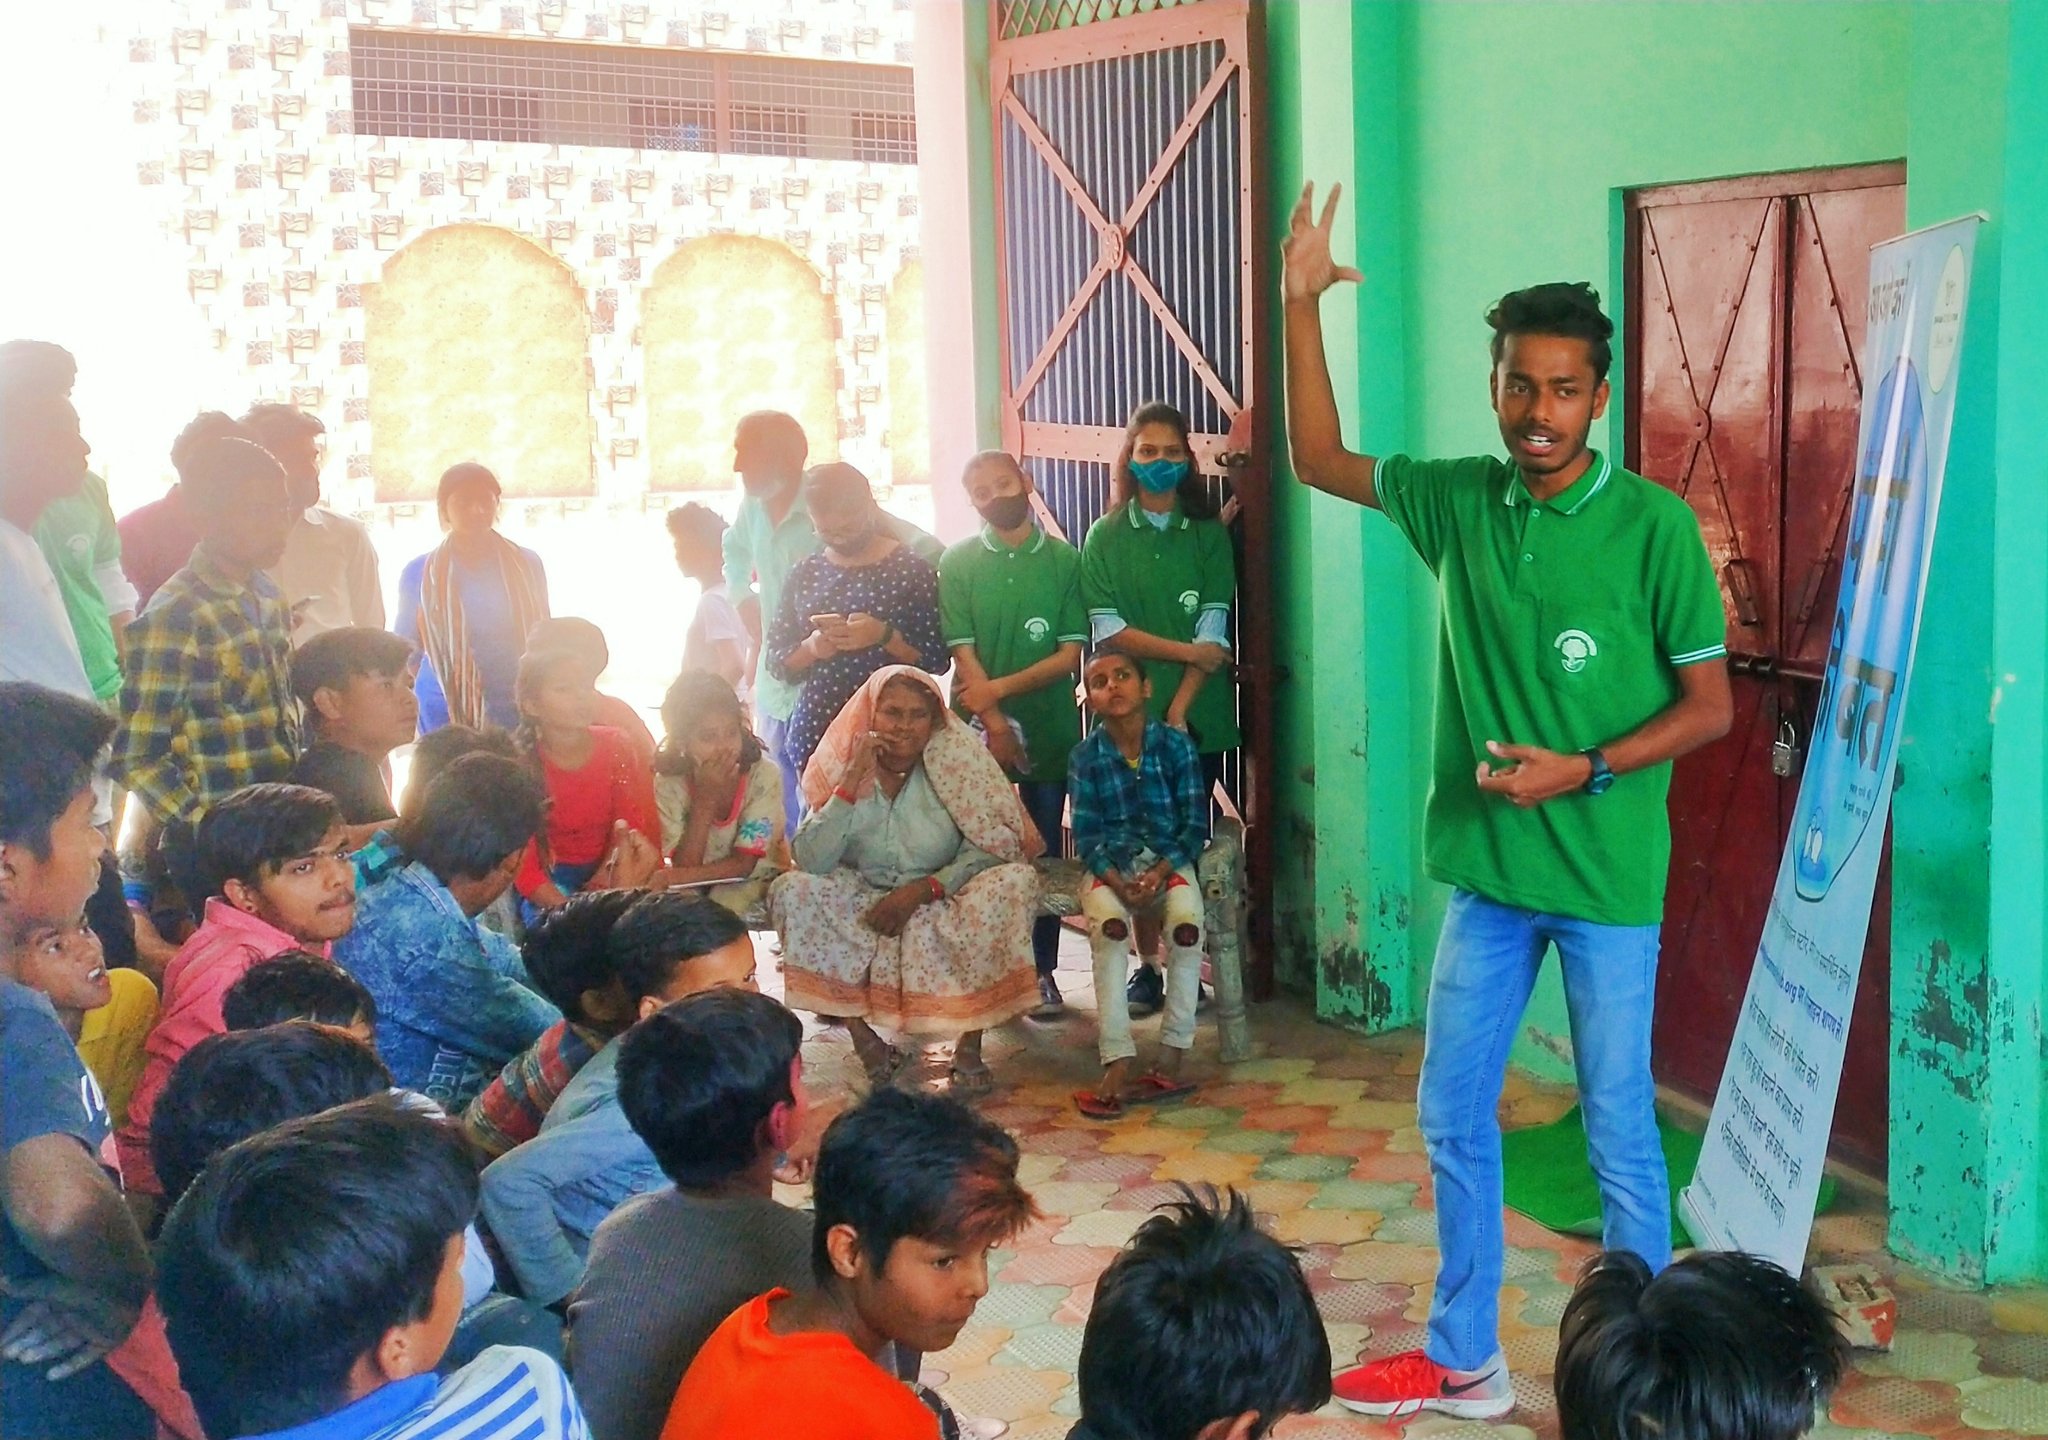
(1141, 818)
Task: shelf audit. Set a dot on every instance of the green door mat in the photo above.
(1550, 1180)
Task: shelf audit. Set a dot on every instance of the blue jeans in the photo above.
(1486, 965)
(1046, 802)
(775, 737)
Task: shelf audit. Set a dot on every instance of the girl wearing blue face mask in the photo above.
(1158, 577)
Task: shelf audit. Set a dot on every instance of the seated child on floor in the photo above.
(719, 794)
(279, 879)
(1720, 1345)
(453, 1000)
(713, 1085)
(299, 986)
(313, 1273)
(584, 639)
(1203, 1328)
(355, 689)
(1140, 819)
(602, 827)
(911, 1193)
(568, 961)
(107, 1013)
(544, 1199)
(435, 752)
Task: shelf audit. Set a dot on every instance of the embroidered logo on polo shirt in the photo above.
(1190, 601)
(1574, 648)
(1038, 627)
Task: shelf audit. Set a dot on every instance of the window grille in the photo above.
(552, 92)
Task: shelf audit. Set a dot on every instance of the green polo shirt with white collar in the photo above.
(1016, 605)
(1563, 623)
(1174, 581)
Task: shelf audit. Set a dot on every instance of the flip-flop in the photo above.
(1151, 1088)
(1098, 1107)
(880, 1077)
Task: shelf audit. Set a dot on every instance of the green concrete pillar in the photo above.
(1969, 880)
(1346, 798)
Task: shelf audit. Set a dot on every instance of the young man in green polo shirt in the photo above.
(1580, 651)
(1010, 610)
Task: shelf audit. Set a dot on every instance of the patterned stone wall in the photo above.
(290, 224)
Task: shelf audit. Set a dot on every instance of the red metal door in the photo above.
(1745, 312)
(1130, 261)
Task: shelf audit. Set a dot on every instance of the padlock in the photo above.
(1785, 752)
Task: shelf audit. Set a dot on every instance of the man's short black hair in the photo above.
(229, 1087)
(49, 743)
(659, 933)
(1720, 1344)
(296, 986)
(275, 420)
(919, 1167)
(38, 363)
(297, 1250)
(1570, 308)
(436, 750)
(567, 950)
(1203, 1317)
(330, 660)
(699, 1078)
(479, 810)
(258, 828)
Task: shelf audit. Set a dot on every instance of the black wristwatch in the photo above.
(1598, 782)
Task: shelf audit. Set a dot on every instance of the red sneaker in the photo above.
(1403, 1384)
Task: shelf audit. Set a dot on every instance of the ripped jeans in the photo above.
(1109, 936)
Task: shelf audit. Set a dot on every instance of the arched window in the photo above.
(729, 324)
(478, 346)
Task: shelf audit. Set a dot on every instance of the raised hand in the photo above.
(1307, 269)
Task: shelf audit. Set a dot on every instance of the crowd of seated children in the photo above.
(277, 874)
(910, 1195)
(75, 1265)
(453, 1002)
(602, 826)
(713, 1086)
(355, 692)
(718, 793)
(545, 1198)
(312, 1279)
(569, 961)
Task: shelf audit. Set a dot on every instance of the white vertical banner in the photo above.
(1760, 1171)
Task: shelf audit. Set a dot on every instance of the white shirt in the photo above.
(37, 642)
(329, 568)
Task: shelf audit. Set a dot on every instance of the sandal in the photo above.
(972, 1082)
(1151, 1088)
(1098, 1107)
(882, 1076)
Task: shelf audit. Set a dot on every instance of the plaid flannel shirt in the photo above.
(1160, 804)
(206, 705)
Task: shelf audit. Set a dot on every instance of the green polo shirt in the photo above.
(1016, 606)
(1164, 581)
(77, 536)
(1563, 624)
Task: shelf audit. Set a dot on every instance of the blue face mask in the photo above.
(1159, 477)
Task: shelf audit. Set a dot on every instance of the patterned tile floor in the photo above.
(1319, 1129)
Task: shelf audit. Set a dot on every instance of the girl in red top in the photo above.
(602, 821)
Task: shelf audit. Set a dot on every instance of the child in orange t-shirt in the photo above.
(911, 1193)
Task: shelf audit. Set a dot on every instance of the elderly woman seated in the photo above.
(911, 905)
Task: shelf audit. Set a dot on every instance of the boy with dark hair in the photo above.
(717, 639)
(300, 986)
(1720, 1344)
(567, 960)
(312, 1277)
(713, 1085)
(1010, 607)
(70, 1251)
(1141, 818)
(911, 1193)
(1202, 1329)
(436, 750)
(453, 999)
(356, 689)
(328, 572)
(544, 1199)
(279, 879)
(206, 704)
